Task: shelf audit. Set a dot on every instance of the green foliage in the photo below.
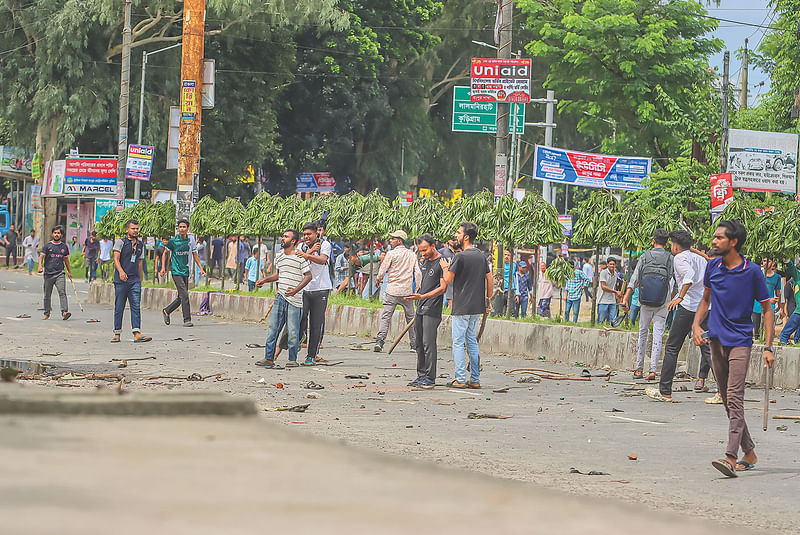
(228, 215)
(598, 224)
(607, 57)
(426, 214)
(560, 271)
(107, 227)
(159, 220)
(202, 218)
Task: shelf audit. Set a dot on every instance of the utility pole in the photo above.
(504, 20)
(723, 147)
(548, 141)
(743, 78)
(124, 97)
(194, 16)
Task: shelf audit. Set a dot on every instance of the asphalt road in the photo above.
(552, 426)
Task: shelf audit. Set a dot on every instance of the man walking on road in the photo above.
(429, 311)
(30, 243)
(315, 296)
(472, 282)
(732, 283)
(53, 261)
(293, 274)
(128, 259)
(689, 271)
(181, 247)
(653, 276)
(403, 269)
(10, 242)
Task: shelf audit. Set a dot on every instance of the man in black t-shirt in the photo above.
(472, 289)
(53, 260)
(429, 311)
(10, 242)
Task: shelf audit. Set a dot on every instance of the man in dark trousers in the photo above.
(472, 282)
(181, 248)
(429, 311)
(128, 255)
(732, 283)
(53, 261)
(315, 295)
(10, 242)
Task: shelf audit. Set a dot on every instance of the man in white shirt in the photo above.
(403, 269)
(689, 271)
(31, 243)
(105, 258)
(315, 296)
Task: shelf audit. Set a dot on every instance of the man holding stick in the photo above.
(403, 268)
(732, 283)
(53, 261)
(429, 311)
(472, 282)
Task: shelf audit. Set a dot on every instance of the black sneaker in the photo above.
(378, 346)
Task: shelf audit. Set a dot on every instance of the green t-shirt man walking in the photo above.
(181, 247)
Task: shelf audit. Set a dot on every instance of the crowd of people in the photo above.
(721, 299)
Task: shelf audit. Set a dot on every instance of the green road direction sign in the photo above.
(481, 117)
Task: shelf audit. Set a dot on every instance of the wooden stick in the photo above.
(785, 417)
(766, 397)
(268, 310)
(402, 334)
(74, 289)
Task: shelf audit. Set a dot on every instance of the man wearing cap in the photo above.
(524, 287)
(403, 269)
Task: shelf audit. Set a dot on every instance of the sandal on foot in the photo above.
(165, 316)
(142, 339)
(744, 466)
(637, 374)
(651, 376)
(115, 340)
(655, 394)
(699, 385)
(725, 467)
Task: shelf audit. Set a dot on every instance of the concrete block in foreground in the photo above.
(16, 399)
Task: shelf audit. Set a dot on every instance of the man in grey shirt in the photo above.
(607, 295)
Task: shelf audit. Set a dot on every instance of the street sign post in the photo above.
(480, 117)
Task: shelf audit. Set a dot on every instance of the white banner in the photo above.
(763, 161)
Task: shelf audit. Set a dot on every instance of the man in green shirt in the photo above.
(360, 264)
(181, 247)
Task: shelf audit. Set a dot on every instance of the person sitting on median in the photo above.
(293, 274)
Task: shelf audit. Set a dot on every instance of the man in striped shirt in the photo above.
(292, 273)
(574, 288)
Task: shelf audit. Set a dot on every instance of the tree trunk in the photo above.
(371, 268)
(224, 260)
(258, 260)
(238, 260)
(595, 283)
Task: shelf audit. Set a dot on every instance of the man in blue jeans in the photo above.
(293, 273)
(574, 289)
(607, 294)
(472, 290)
(524, 287)
(128, 256)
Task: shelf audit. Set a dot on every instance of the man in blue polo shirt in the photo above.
(732, 283)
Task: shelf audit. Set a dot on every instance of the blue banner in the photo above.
(590, 170)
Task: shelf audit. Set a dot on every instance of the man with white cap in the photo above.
(403, 269)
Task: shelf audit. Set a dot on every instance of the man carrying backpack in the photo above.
(653, 276)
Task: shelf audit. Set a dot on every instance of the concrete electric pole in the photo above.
(124, 99)
(743, 78)
(505, 13)
(723, 146)
(194, 15)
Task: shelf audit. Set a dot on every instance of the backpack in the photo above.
(655, 273)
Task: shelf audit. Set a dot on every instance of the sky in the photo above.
(755, 12)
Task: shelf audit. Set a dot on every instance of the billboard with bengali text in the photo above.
(90, 175)
(590, 170)
(763, 161)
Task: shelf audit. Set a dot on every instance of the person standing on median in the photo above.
(654, 275)
(607, 294)
(403, 269)
(731, 284)
(292, 273)
(689, 271)
(181, 246)
(471, 277)
(53, 261)
(251, 270)
(429, 311)
(91, 248)
(128, 259)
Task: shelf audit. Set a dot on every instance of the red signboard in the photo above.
(500, 80)
(721, 191)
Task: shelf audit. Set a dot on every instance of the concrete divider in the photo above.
(562, 343)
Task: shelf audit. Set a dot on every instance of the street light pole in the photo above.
(145, 54)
